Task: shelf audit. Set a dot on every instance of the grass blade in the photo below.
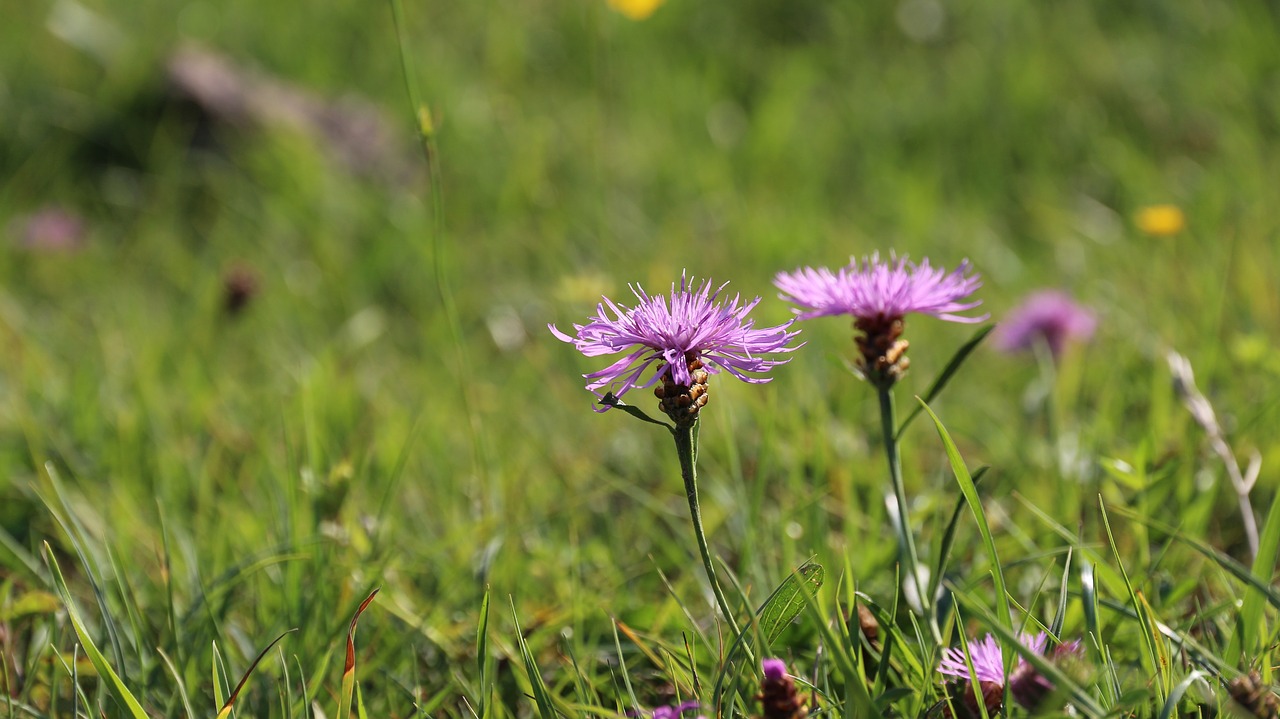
(349, 669)
(970, 492)
(482, 656)
(1148, 636)
(539, 689)
(231, 700)
(1175, 696)
(90, 649)
(949, 536)
(177, 683)
(952, 367)
(1250, 631)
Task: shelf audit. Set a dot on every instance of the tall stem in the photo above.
(687, 450)
(906, 543)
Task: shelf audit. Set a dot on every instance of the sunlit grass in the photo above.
(206, 480)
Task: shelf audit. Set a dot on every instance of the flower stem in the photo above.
(906, 543)
(686, 449)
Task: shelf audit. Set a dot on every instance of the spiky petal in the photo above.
(878, 289)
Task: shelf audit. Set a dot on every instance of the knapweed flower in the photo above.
(779, 698)
(689, 336)
(1027, 685)
(1161, 220)
(1048, 316)
(636, 9)
(879, 295)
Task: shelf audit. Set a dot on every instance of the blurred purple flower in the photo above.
(51, 229)
(774, 669)
(673, 712)
(694, 331)
(881, 290)
(1051, 316)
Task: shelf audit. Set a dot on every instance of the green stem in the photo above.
(686, 449)
(906, 543)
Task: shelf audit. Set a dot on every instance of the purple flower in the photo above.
(779, 697)
(1027, 685)
(879, 295)
(886, 290)
(988, 661)
(51, 229)
(774, 669)
(673, 712)
(1050, 316)
(691, 336)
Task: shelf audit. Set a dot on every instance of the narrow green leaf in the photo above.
(482, 656)
(622, 667)
(1060, 616)
(1250, 630)
(1152, 654)
(1175, 696)
(177, 683)
(90, 649)
(970, 492)
(949, 536)
(539, 689)
(952, 367)
(215, 662)
(231, 700)
(349, 668)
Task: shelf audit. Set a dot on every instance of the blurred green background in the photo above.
(332, 427)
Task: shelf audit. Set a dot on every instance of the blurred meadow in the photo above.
(261, 354)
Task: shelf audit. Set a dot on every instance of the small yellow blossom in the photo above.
(636, 9)
(1161, 220)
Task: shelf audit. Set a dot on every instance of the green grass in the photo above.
(206, 482)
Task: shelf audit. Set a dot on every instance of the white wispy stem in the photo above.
(1184, 384)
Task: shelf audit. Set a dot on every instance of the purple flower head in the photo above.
(1027, 685)
(988, 661)
(774, 669)
(879, 295)
(51, 229)
(692, 329)
(779, 697)
(1050, 316)
(886, 290)
(673, 712)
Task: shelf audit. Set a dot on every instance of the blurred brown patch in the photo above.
(230, 95)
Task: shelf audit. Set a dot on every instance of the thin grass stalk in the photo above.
(686, 450)
(425, 126)
(906, 542)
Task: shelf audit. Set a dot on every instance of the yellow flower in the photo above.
(1161, 220)
(635, 9)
